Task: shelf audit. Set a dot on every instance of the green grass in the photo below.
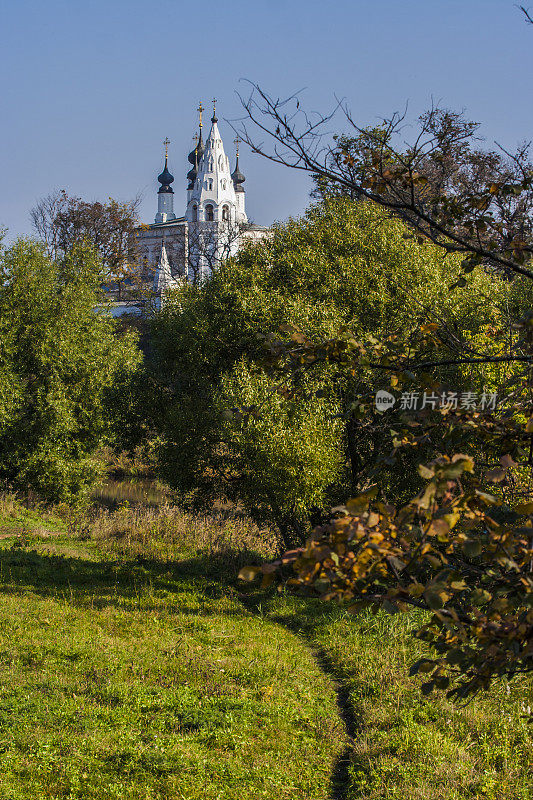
(19, 520)
(132, 667)
(131, 679)
(407, 747)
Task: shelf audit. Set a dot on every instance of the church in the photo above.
(214, 225)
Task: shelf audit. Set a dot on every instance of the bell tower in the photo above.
(214, 226)
(212, 193)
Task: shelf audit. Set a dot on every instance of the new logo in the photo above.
(384, 400)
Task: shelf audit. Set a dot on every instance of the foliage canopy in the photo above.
(287, 459)
(60, 365)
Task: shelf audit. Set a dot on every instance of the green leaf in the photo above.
(480, 597)
(360, 503)
(459, 586)
(455, 656)
(472, 548)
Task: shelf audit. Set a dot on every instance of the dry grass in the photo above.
(168, 533)
(8, 505)
(140, 464)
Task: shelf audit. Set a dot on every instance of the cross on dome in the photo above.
(165, 178)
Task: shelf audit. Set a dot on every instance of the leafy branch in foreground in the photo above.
(454, 550)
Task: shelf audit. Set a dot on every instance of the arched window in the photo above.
(225, 213)
(195, 213)
(211, 165)
(209, 213)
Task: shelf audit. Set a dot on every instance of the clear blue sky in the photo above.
(89, 90)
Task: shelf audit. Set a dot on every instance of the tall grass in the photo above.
(169, 533)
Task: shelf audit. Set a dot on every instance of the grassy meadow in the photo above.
(134, 665)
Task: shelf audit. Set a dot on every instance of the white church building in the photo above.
(214, 225)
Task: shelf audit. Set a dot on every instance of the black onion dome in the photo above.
(193, 173)
(200, 149)
(237, 177)
(165, 179)
(196, 154)
(191, 177)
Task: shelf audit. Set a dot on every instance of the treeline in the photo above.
(230, 426)
(220, 422)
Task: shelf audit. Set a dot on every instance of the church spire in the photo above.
(165, 195)
(195, 156)
(165, 178)
(163, 279)
(212, 197)
(236, 176)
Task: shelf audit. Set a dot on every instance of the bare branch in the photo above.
(529, 18)
(474, 213)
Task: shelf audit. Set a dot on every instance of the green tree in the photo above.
(462, 548)
(225, 431)
(60, 365)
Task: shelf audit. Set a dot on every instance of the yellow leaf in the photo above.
(248, 573)
(524, 508)
(438, 527)
(487, 498)
(357, 504)
(452, 519)
(427, 497)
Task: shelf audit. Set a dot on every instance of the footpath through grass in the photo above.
(143, 680)
(405, 746)
(131, 666)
